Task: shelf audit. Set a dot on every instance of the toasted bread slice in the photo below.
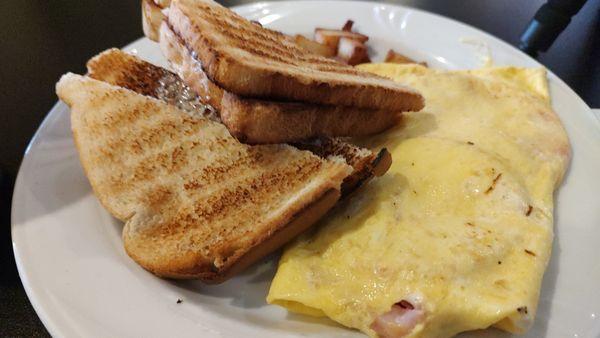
(260, 121)
(152, 17)
(196, 202)
(366, 164)
(128, 71)
(246, 59)
(124, 70)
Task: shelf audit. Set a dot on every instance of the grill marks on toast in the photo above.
(212, 208)
(325, 147)
(251, 190)
(156, 161)
(194, 198)
(217, 201)
(370, 164)
(126, 74)
(261, 121)
(261, 42)
(151, 133)
(267, 43)
(252, 61)
(120, 68)
(266, 46)
(144, 141)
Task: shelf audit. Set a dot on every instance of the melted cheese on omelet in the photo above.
(462, 221)
(503, 111)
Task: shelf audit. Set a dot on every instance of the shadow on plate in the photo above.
(243, 298)
(51, 174)
(247, 290)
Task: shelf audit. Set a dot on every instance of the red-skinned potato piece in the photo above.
(352, 51)
(315, 47)
(331, 37)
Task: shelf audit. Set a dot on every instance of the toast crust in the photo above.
(366, 164)
(297, 225)
(258, 121)
(252, 61)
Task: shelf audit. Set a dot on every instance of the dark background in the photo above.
(40, 40)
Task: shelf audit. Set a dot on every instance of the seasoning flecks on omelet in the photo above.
(452, 221)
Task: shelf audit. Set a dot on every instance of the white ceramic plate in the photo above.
(82, 284)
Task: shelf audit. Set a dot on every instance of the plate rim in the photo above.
(32, 294)
(29, 290)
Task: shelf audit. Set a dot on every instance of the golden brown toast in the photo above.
(128, 71)
(246, 59)
(196, 202)
(366, 164)
(124, 70)
(152, 16)
(260, 121)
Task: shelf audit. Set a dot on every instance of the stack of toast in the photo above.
(266, 87)
(221, 162)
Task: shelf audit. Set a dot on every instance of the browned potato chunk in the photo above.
(331, 37)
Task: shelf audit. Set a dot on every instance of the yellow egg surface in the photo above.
(462, 221)
(504, 111)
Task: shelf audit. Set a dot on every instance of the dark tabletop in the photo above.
(40, 40)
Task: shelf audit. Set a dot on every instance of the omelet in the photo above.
(457, 235)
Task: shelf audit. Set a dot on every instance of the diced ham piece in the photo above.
(399, 321)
